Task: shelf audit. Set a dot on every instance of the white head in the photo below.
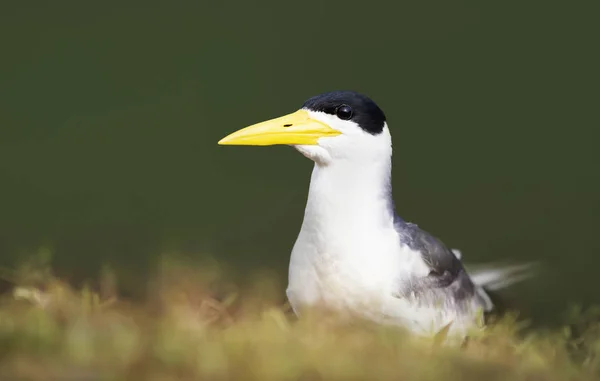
(328, 128)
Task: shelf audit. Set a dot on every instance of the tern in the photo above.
(354, 253)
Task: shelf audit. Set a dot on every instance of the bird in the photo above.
(354, 254)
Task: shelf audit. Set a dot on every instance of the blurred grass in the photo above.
(195, 325)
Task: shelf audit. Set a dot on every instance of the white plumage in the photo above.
(353, 253)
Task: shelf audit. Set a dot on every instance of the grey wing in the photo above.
(447, 277)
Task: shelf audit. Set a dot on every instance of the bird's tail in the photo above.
(495, 277)
(492, 277)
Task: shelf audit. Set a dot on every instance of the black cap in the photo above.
(349, 105)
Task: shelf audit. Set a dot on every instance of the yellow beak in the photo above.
(293, 129)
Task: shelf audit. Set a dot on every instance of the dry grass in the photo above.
(51, 331)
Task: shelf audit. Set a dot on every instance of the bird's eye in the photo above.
(344, 112)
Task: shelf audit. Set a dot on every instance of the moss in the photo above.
(49, 330)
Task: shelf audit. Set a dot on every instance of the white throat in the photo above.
(350, 187)
(348, 196)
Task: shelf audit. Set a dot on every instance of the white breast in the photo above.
(348, 254)
(361, 281)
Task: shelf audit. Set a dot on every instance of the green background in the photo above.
(110, 114)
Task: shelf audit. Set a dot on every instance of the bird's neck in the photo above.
(352, 196)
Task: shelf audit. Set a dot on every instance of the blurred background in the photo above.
(110, 115)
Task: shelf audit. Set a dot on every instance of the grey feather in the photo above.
(443, 263)
(448, 280)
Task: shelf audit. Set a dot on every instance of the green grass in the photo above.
(51, 331)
